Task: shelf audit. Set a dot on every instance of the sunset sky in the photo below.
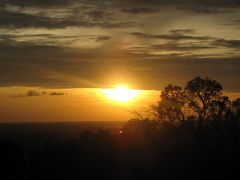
(68, 50)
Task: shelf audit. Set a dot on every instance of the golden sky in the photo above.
(82, 104)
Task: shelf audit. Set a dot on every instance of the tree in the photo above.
(194, 126)
(199, 102)
(170, 109)
(205, 98)
(236, 107)
(236, 104)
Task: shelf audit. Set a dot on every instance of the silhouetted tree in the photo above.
(205, 98)
(196, 126)
(236, 106)
(170, 109)
(199, 102)
(197, 108)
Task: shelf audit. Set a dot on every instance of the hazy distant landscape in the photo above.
(32, 136)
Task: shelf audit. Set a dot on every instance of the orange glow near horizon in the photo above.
(74, 104)
(121, 93)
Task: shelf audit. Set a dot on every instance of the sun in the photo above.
(121, 93)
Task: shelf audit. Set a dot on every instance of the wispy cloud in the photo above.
(174, 36)
(140, 10)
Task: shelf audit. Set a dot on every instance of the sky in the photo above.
(79, 46)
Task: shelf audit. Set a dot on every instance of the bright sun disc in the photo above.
(121, 93)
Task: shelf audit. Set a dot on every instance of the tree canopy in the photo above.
(198, 104)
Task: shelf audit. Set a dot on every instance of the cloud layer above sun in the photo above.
(147, 44)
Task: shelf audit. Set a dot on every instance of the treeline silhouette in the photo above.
(190, 133)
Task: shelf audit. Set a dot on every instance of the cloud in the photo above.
(98, 15)
(134, 6)
(56, 94)
(102, 38)
(193, 6)
(237, 21)
(13, 20)
(33, 92)
(171, 36)
(181, 47)
(29, 93)
(206, 10)
(227, 43)
(201, 42)
(61, 67)
(38, 3)
(56, 58)
(90, 14)
(56, 40)
(232, 23)
(54, 3)
(183, 31)
(140, 10)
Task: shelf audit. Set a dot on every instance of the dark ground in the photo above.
(65, 151)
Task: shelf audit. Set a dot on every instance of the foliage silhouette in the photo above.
(197, 126)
